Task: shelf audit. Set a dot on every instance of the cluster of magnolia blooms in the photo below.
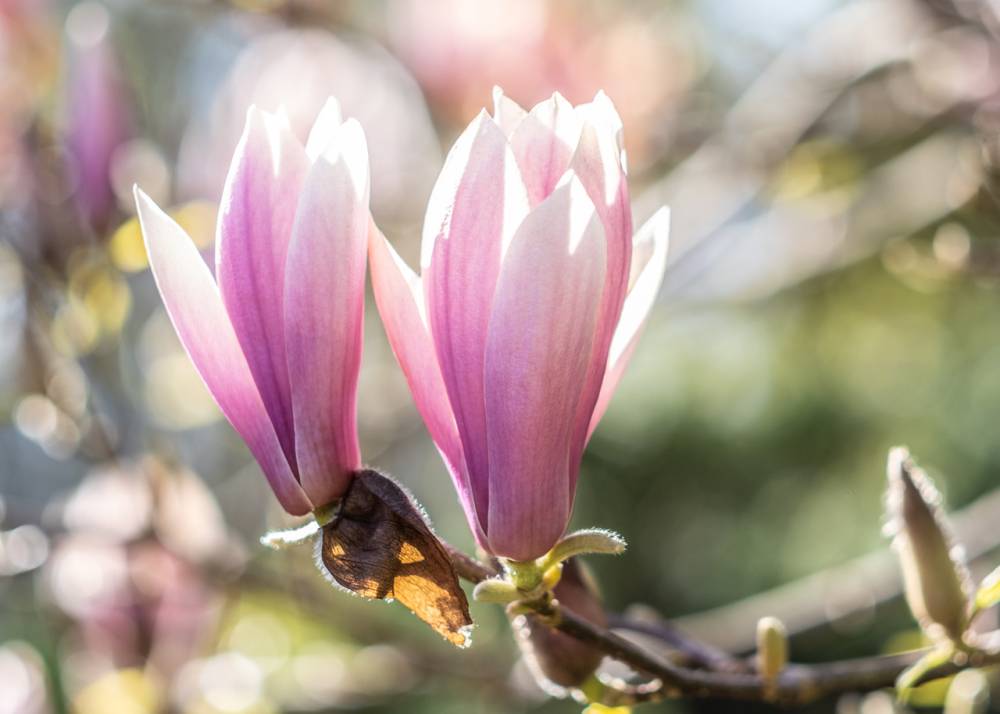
(532, 293)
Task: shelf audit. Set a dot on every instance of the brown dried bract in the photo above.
(379, 547)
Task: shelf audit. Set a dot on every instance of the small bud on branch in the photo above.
(772, 649)
(935, 580)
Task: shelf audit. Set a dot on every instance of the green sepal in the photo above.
(496, 590)
(585, 542)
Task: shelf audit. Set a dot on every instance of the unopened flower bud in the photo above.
(935, 579)
(553, 657)
(772, 648)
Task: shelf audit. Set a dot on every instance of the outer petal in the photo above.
(325, 129)
(477, 203)
(399, 296)
(650, 253)
(255, 226)
(543, 143)
(537, 355)
(598, 163)
(196, 310)
(506, 112)
(324, 309)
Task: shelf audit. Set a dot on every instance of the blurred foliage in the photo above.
(833, 292)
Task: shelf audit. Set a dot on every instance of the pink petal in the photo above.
(199, 317)
(650, 262)
(538, 352)
(325, 129)
(255, 226)
(602, 114)
(399, 297)
(476, 205)
(543, 143)
(506, 112)
(324, 309)
(597, 161)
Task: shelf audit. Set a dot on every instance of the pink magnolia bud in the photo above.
(276, 335)
(532, 295)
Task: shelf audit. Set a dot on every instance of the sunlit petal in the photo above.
(200, 319)
(537, 356)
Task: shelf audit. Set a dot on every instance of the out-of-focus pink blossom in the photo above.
(532, 297)
(459, 49)
(297, 69)
(276, 336)
(97, 117)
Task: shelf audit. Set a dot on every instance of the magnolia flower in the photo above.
(532, 295)
(97, 125)
(276, 335)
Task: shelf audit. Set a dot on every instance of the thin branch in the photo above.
(696, 653)
(798, 684)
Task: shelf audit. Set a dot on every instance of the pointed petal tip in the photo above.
(481, 117)
(147, 209)
(331, 106)
(346, 143)
(353, 132)
(661, 222)
(325, 128)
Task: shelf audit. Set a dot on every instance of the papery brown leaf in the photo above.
(379, 546)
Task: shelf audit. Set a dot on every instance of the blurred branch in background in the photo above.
(750, 192)
(839, 593)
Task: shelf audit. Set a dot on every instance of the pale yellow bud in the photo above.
(772, 648)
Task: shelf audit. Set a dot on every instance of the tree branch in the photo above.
(798, 684)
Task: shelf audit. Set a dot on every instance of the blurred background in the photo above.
(833, 290)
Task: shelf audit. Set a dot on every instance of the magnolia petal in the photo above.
(476, 205)
(506, 112)
(324, 303)
(325, 129)
(651, 245)
(543, 144)
(255, 226)
(602, 114)
(537, 355)
(399, 297)
(597, 164)
(199, 317)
